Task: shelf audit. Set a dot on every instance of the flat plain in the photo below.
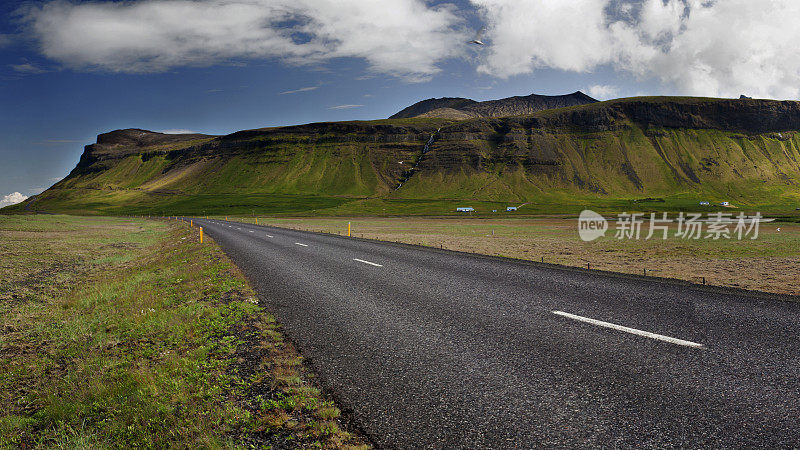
(770, 263)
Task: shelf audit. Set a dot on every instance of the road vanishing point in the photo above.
(425, 348)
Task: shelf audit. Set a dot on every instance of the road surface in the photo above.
(438, 349)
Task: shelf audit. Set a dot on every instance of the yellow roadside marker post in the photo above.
(348, 229)
(191, 223)
(201, 235)
(256, 220)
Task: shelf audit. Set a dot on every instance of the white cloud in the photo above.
(661, 20)
(345, 106)
(5, 39)
(297, 91)
(700, 47)
(603, 91)
(405, 38)
(55, 179)
(12, 199)
(734, 47)
(27, 68)
(524, 36)
(178, 131)
(696, 47)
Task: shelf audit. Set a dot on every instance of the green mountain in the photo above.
(647, 153)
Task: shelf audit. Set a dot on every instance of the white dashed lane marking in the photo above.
(368, 262)
(304, 245)
(613, 326)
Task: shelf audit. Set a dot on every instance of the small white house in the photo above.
(705, 203)
(725, 204)
(511, 208)
(465, 209)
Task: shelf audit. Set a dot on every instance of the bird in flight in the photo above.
(478, 37)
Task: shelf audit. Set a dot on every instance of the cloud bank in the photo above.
(12, 199)
(406, 38)
(695, 47)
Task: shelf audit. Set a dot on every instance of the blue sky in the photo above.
(72, 70)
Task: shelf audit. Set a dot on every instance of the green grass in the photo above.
(298, 205)
(120, 333)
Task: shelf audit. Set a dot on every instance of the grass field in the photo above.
(770, 263)
(277, 205)
(123, 333)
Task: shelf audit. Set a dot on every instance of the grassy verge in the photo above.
(770, 263)
(93, 202)
(119, 333)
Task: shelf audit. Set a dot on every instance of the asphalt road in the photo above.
(437, 349)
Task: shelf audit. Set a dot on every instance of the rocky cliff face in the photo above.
(137, 138)
(460, 108)
(655, 146)
(132, 141)
(516, 106)
(425, 106)
(754, 116)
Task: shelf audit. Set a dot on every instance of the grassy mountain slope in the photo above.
(674, 152)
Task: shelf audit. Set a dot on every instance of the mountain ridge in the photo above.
(458, 108)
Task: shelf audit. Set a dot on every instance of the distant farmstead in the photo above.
(511, 208)
(465, 209)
